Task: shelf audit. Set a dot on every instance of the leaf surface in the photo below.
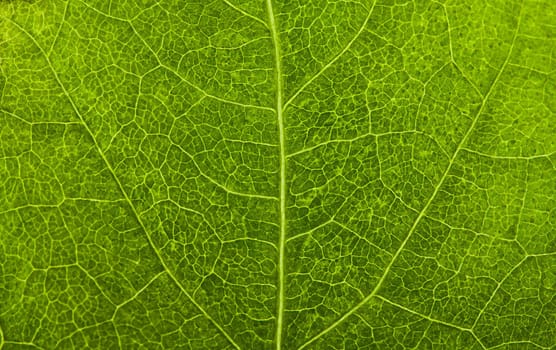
(271, 174)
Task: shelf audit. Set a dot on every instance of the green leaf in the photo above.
(273, 174)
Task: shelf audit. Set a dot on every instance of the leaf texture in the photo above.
(277, 174)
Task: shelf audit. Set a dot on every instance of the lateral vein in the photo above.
(121, 188)
(425, 208)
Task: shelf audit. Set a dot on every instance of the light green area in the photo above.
(272, 174)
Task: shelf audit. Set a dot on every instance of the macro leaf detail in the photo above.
(273, 174)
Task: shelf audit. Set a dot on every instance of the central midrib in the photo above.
(282, 141)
